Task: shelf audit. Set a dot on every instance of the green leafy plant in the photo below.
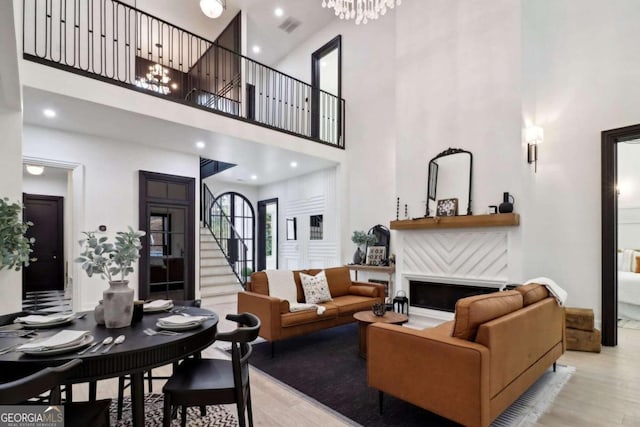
(99, 256)
(15, 247)
(361, 238)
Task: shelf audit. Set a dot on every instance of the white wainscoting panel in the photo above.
(463, 254)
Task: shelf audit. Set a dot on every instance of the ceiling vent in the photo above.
(289, 25)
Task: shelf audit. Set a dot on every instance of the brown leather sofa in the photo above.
(277, 323)
(472, 368)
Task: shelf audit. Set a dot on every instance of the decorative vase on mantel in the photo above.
(118, 304)
(358, 256)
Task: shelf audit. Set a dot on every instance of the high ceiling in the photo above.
(263, 25)
(269, 164)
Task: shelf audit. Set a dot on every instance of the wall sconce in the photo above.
(533, 136)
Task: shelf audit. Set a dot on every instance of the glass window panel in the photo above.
(176, 249)
(176, 221)
(315, 227)
(177, 191)
(157, 189)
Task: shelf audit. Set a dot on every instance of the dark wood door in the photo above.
(46, 214)
(167, 215)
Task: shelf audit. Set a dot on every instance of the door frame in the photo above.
(335, 43)
(76, 197)
(609, 197)
(190, 231)
(261, 261)
(60, 249)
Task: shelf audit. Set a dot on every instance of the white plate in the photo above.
(48, 325)
(157, 309)
(88, 339)
(182, 327)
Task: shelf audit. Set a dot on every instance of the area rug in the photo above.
(217, 416)
(325, 366)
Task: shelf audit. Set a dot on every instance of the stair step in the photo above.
(217, 280)
(216, 270)
(209, 246)
(213, 262)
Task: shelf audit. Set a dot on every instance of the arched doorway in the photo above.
(239, 211)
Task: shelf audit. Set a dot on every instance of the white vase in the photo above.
(118, 304)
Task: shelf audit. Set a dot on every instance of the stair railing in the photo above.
(223, 231)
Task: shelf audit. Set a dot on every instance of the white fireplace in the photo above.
(475, 259)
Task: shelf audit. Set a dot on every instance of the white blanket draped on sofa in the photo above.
(283, 286)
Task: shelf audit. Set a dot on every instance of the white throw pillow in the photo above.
(316, 288)
(627, 259)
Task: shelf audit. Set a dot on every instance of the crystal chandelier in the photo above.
(360, 10)
(157, 80)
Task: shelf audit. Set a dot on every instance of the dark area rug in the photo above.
(325, 366)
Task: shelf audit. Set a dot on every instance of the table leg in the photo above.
(362, 339)
(137, 398)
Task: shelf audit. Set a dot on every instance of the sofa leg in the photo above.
(554, 366)
(380, 396)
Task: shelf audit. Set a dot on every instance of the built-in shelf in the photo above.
(466, 221)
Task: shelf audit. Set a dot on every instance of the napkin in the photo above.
(63, 338)
(182, 320)
(159, 303)
(36, 319)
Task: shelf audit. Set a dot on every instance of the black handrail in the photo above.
(114, 42)
(224, 232)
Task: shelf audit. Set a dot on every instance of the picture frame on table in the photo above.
(447, 207)
(376, 254)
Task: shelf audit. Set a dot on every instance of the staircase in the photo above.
(218, 283)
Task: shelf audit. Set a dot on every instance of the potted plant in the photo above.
(110, 260)
(361, 239)
(15, 247)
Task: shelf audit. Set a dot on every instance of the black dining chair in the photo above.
(200, 382)
(124, 381)
(20, 391)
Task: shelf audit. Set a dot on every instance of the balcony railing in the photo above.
(116, 43)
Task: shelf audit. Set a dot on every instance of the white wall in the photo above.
(366, 181)
(52, 182)
(11, 142)
(312, 194)
(578, 80)
(110, 195)
(11, 187)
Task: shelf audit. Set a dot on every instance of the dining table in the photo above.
(139, 352)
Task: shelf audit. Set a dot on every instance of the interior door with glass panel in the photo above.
(167, 261)
(326, 76)
(166, 250)
(267, 234)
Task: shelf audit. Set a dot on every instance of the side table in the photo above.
(365, 318)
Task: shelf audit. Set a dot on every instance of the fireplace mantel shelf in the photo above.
(465, 221)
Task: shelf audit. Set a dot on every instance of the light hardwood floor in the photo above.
(604, 390)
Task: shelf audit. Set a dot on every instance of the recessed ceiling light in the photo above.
(256, 49)
(293, 164)
(174, 86)
(254, 177)
(35, 170)
(48, 112)
(278, 11)
(200, 144)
